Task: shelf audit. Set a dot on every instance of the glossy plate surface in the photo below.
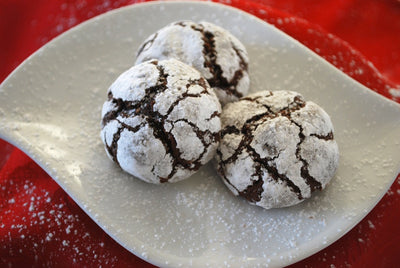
(50, 108)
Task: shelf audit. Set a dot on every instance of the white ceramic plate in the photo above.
(50, 108)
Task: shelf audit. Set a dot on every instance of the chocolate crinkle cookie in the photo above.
(276, 148)
(219, 56)
(161, 121)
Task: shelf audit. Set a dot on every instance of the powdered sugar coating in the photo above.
(276, 149)
(218, 55)
(161, 121)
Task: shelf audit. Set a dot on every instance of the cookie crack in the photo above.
(213, 115)
(273, 171)
(147, 44)
(157, 121)
(210, 62)
(181, 23)
(185, 95)
(256, 100)
(304, 172)
(200, 82)
(297, 104)
(221, 172)
(326, 137)
(122, 106)
(246, 132)
(254, 191)
(113, 148)
(130, 128)
(250, 123)
(242, 63)
(230, 130)
(206, 137)
(239, 73)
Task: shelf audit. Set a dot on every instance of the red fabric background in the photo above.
(41, 226)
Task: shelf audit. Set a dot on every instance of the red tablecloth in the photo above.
(41, 226)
